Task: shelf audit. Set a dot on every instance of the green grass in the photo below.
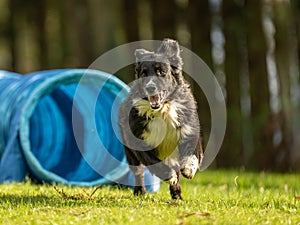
(213, 197)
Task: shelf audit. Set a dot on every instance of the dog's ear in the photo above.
(140, 54)
(171, 50)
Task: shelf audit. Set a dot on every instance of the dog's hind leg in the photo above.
(138, 171)
(175, 189)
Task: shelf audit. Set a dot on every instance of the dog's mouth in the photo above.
(156, 101)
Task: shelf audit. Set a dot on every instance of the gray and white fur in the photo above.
(159, 121)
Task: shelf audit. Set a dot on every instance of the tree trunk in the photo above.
(199, 24)
(259, 89)
(163, 19)
(11, 33)
(231, 154)
(130, 20)
(295, 83)
(283, 50)
(37, 15)
(79, 32)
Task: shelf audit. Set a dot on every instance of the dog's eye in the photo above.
(161, 72)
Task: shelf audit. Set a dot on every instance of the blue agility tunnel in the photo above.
(60, 126)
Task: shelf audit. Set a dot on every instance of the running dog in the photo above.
(159, 121)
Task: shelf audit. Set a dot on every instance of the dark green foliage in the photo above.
(251, 45)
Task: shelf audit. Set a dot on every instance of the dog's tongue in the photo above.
(154, 101)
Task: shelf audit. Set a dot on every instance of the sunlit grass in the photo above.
(213, 197)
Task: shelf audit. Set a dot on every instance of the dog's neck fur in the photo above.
(168, 112)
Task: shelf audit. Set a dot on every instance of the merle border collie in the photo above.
(159, 121)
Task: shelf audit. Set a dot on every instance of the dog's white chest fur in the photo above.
(162, 129)
(162, 135)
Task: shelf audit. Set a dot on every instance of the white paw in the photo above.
(173, 180)
(189, 166)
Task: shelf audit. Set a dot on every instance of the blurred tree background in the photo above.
(252, 46)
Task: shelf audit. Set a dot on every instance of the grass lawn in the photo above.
(213, 197)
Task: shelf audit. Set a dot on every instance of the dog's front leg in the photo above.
(191, 155)
(175, 189)
(139, 185)
(138, 171)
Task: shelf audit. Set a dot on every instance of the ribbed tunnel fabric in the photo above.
(60, 126)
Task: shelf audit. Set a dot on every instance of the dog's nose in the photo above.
(151, 89)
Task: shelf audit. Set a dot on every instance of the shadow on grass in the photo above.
(62, 197)
(27, 199)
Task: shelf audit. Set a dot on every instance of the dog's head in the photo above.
(159, 72)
